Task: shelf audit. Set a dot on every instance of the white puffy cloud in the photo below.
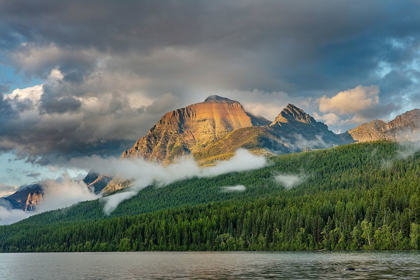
(63, 193)
(350, 101)
(58, 194)
(10, 216)
(328, 119)
(31, 93)
(6, 190)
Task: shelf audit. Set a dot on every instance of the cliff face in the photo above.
(216, 128)
(96, 182)
(403, 127)
(187, 130)
(294, 125)
(292, 131)
(26, 198)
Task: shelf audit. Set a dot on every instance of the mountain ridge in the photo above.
(402, 127)
(214, 129)
(169, 138)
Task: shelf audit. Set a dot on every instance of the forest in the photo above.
(352, 197)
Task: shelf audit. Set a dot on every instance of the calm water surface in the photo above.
(191, 265)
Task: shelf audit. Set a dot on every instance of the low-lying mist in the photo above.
(67, 191)
(59, 193)
(229, 189)
(408, 145)
(290, 181)
(143, 173)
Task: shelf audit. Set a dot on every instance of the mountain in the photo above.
(189, 129)
(294, 121)
(216, 128)
(293, 130)
(26, 198)
(96, 182)
(403, 127)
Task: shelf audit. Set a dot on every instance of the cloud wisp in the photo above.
(143, 173)
(290, 181)
(229, 189)
(57, 194)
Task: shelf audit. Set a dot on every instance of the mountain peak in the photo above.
(186, 130)
(403, 127)
(218, 99)
(292, 113)
(292, 109)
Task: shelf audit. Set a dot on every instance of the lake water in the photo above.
(211, 265)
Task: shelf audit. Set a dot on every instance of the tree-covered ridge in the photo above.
(352, 199)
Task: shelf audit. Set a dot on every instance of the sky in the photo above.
(82, 78)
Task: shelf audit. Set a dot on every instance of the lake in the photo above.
(211, 265)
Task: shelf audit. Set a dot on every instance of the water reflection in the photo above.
(211, 265)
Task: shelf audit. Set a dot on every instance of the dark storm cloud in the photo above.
(123, 64)
(305, 43)
(59, 105)
(33, 174)
(6, 110)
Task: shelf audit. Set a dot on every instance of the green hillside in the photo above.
(351, 198)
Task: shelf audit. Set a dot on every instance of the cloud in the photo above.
(50, 122)
(328, 119)
(10, 216)
(112, 201)
(354, 107)
(32, 94)
(144, 173)
(238, 188)
(63, 193)
(57, 194)
(350, 101)
(299, 143)
(33, 174)
(6, 190)
(290, 181)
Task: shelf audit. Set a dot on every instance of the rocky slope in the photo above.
(96, 182)
(403, 127)
(187, 130)
(217, 127)
(292, 131)
(26, 198)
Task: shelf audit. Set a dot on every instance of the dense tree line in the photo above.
(361, 196)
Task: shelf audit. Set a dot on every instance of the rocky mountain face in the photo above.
(187, 130)
(26, 198)
(96, 182)
(216, 128)
(292, 131)
(403, 127)
(297, 127)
